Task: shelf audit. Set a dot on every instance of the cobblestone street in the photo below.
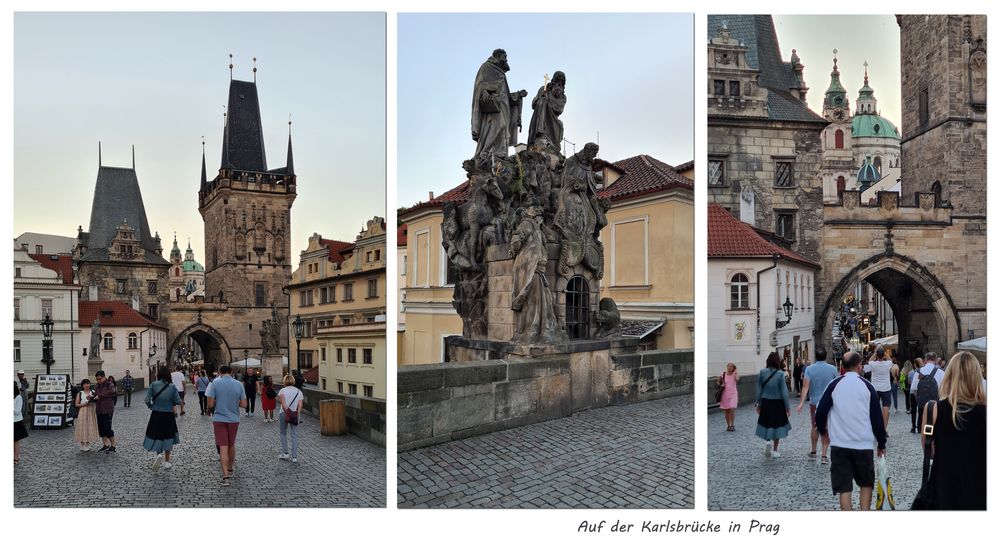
(740, 478)
(634, 456)
(341, 471)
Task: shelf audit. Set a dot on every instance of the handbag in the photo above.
(720, 387)
(270, 392)
(292, 417)
(922, 501)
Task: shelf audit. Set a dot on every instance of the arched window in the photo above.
(578, 308)
(178, 293)
(936, 189)
(878, 164)
(841, 185)
(838, 139)
(133, 340)
(177, 272)
(109, 342)
(739, 292)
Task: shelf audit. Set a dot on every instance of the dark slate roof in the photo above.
(639, 328)
(764, 54)
(116, 198)
(243, 137)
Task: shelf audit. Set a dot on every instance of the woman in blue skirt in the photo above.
(161, 432)
(773, 406)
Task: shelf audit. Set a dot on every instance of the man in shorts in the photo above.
(105, 398)
(880, 368)
(177, 378)
(226, 396)
(817, 376)
(850, 413)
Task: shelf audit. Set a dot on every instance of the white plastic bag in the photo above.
(883, 485)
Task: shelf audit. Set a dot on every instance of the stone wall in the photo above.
(442, 402)
(365, 416)
(105, 275)
(746, 391)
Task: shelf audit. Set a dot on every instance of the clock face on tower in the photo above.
(838, 114)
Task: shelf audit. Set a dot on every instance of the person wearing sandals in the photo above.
(773, 406)
(226, 396)
(291, 407)
(957, 426)
(730, 395)
(85, 425)
(816, 378)
(161, 431)
(19, 431)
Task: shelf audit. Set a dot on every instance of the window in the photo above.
(17, 350)
(323, 380)
(345, 320)
(785, 225)
(841, 185)
(368, 256)
(734, 88)
(578, 308)
(373, 288)
(739, 292)
(121, 286)
(38, 249)
(340, 355)
(133, 340)
(305, 359)
(109, 342)
(369, 391)
(838, 138)
(936, 189)
(348, 292)
(716, 172)
(46, 308)
(784, 174)
(378, 255)
(719, 87)
(878, 164)
(17, 272)
(352, 389)
(302, 299)
(366, 356)
(370, 318)
(17, 309)
(352, 356)
(151, 287)
(340, 387)
(923, 107)
(323, 296)
(153, 310)
(322, 354)
(260, 294)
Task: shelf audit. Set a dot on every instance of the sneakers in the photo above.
(775, 454)
(157, 462)
(295, 460)
(104, 448)
(824, 460)
(167, 465)
(225, 481)
(283, 456)
(84, 448)
(110, 450)
(767, 449)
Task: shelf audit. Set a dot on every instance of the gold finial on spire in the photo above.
(254, 69)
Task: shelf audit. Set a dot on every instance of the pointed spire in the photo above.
(225, 138)
(204, 173)
(289, 164)
(99, 163)
(230, 66)
(866, 73)
(133, 156)
(255, 70)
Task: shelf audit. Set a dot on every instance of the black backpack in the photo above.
(927, 389)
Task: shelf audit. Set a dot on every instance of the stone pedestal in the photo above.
(273, 365)
(93, 366)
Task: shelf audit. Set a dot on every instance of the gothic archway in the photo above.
(213, 345)
(926, 316)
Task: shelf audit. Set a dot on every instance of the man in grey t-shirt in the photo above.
(816, 378)
(226, 396)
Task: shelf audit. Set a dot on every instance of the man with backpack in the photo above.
(928, 381)
(850, 413)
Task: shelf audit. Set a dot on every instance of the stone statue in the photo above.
(535, 319)
(608, 319)
(496, 113)
(95, 339)
(270, 334)
(548, 105)
(580, 215)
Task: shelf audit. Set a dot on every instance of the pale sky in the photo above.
(160, 81)
(856, 38)
(628, 76)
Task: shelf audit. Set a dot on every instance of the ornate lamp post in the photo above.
(47, 343)
(298, 339)
(787, 306)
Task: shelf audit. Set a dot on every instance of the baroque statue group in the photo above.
(531, 202)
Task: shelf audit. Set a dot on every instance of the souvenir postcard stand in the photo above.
(52, 397)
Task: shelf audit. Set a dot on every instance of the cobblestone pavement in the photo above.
(341, 471)
(740, 478)
(630, 456)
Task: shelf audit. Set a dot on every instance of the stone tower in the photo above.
(944, 109)
(246, 209)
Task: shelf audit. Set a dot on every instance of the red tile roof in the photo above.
(728, 237)
(114, 314)
(689, 165)
(401, 236)
(336, 249)
(644, 175)
(58, 263)
(458, 195)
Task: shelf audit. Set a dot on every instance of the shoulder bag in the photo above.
(923, 501)
(720, 387)
(292, 417)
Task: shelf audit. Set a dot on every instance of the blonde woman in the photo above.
(291, 407)
(958, 476)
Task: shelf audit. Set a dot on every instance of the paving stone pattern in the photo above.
(633, 456)
(333, 471)
(740, 478)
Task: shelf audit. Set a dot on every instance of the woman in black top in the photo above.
(958, 476)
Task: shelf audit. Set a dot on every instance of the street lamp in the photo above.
(787, 306)
(246, 361)
(47, 343)
(298, 339)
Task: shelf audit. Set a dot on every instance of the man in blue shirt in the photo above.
(817, 377)
(226, 396)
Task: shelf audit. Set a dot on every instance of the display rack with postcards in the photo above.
(52, 397)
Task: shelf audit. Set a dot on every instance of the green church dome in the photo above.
(191, 265)
(872, 126)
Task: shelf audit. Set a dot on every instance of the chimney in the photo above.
(430, 196)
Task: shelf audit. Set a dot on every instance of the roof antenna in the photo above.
(230, 66)
(255, 70)
(133, 156)
(99, 163)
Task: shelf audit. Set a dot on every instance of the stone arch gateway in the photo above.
(212, 343)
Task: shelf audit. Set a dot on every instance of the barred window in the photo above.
(784, 174)
(151, 287)
(716, 172)
(578, 308)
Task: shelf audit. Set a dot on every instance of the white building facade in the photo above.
(126, 338)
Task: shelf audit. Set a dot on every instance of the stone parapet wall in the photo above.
(365, 416)
(443, 402)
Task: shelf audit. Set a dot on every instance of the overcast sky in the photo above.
(628, 76)
(856, 38)
(160, 81)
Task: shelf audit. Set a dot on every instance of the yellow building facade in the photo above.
(339, 291)
(649, 260)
